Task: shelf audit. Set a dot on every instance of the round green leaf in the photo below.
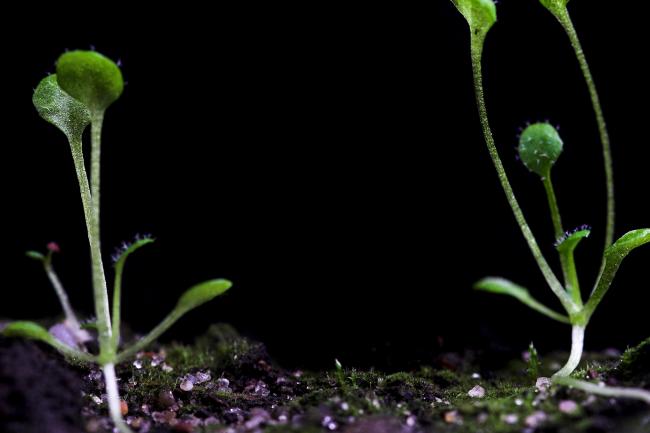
(59, 108)
(202, 293)
(90, 77)
(480, 14)
(540, 146)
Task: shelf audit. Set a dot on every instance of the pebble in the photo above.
(223, 385)
(477, 392)
(568, 406)
(453, 417)
(166, 399)
(184, 427)
(543, 384)
(124, 407)
(258, 417)
(329, 423)
(187, 384)
(535, 419)
(164, 417)
(203, 376)
(135, 422)
(411, 421)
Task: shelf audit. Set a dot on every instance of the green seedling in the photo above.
(85, 85)
(539, 148)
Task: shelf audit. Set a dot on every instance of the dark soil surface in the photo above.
(227, 384)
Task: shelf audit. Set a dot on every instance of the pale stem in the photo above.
(70, 316)
(99, 281)
(606, 391)
(551, 279)
(577, 344)
(113, 396)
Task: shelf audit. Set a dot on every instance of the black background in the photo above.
(329, 160)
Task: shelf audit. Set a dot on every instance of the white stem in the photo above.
(577, 344)
(607, 391)
(114, 398)
(63, 298)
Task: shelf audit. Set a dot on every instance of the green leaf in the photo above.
(502, 286)
(570, 241)
(480, 14)
(35, 255)
(34, 331)
(626, 243)
(614, 255)
(30, 330)
(120, 257)
(192, 298)
(202, 293)
(60, 109)
(90, 77)
(555, 6)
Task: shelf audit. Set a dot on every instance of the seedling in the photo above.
(86, 83)
(539, 148)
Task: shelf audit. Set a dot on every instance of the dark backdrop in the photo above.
(329, 160)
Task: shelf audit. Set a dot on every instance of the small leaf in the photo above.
(480, 14)
(614, 255)
(127, 249)
(627, 243)
(29, 330)
(570, 241)
(35, 255)
(91, 78)
(60, 109)
(202, 293)
(506, 287)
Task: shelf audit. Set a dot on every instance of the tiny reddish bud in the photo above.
(54, 247)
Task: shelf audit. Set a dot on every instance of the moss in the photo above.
(436, 398)
(635, 364)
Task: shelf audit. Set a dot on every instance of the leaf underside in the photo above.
(503, 286)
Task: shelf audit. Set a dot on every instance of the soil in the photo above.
(224, 383)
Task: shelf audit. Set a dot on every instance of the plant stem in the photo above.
(552, 204)
(114, 398)
(117, 303)
(567, 260)
(577, 344)
(551, 279)
(95, 161)
(151, 337)
(70, 316)
(607, 391)
(99, 281)
(565, 20)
